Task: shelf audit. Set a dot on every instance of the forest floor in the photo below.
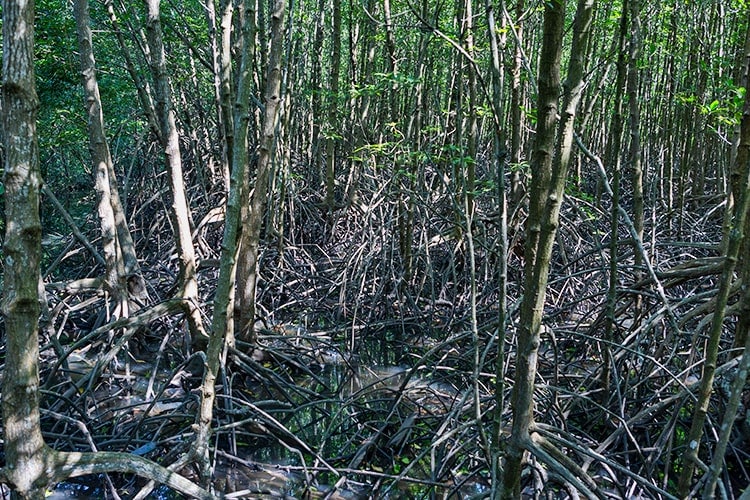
(362, 387)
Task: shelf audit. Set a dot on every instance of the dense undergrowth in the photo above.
(372, 386)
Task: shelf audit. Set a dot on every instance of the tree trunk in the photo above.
(24, 446)
(541, 167)
(469, 159)
(245, 300)
(733, 237)
(243, 143)
(251, 228)
(225, 86)
(360, 104)
(333, 134)
(133, 285)
(315, 154)
(543, 221)
(497, 44)
(409, 168)
(740, 169)
(516, 114)
(188, 281)
(101, 158)
(613, 156)
(224, 298)
(634, 12)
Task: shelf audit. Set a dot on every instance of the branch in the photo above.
(73, 464)
(671, 316)
(74, 228)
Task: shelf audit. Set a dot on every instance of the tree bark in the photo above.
(225, 283)
(333, 134)
(549, 186)
(251, 227)
(541, 166)
(740, 170)
(101, 160)
(472, 127)
(733, 240)
(135, 283)
(244, 294)
(188, 281)
(225, 87)
(516, 115)
(634, 108)
(24, 446)
(497, 43)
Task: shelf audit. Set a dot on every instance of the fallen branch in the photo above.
(66, 465)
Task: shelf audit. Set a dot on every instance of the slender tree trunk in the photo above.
(351, 138)
(220, 30)
(391, 110)
(316, 152)
(251, 228)
(171, 144)
(360, 105)
(634, 11)
(613, 156)
(123, 274)
(742, 339)
(333, 134)
(666, 179)
(101, 160)
(225, 85)
(516, 114)
(135, 282)
(245, 300)
(739, 173)
(410, 168)
(541, 166)
(457, 155)
(497, 44)
(733, 237)
(133, 285)
(470, 158)
(224, 296)
(262, 42)
(542, 228)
